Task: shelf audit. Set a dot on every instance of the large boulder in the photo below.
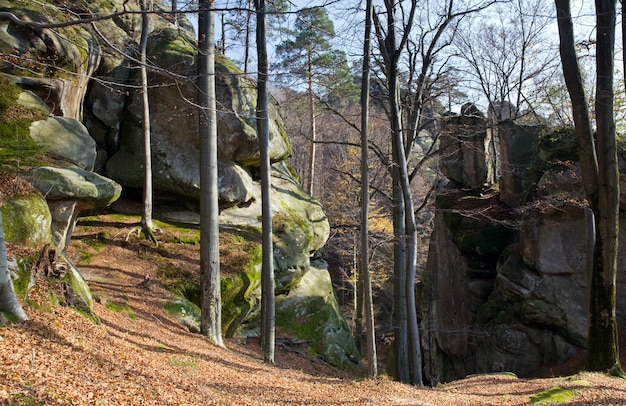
(26, 220)
(65, 139)
(111, 142)
(68, 192)
(70, 55)
(175, 121)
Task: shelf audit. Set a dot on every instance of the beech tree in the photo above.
(268, 330)
(598, 157)
(409, 108)
(147, 226)
(368, 306)
(8, 301)
(210, 293)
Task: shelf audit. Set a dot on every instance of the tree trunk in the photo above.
(146, 215)
(174, 12)
(268, 329)
(211, 300)
(8, 301)
(603, 352)
(366, 283)
(246, 56)
(312, 149)
(597, 163)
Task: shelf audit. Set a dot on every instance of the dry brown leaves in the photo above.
(144, 357)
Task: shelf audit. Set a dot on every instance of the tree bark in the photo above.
(368, 306)
(312, 147)
(603, 351)
(146, 215)
(211, 300)
(597, 162)
(407, 353)
(268, 330)
(8, 300)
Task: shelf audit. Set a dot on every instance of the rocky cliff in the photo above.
(506, 287)
(85, 77)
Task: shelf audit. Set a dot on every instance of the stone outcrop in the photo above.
(70, 192)
(467, 149)
(89, 89)
(507, 279)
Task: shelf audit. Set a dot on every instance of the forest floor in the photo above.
(139, 355)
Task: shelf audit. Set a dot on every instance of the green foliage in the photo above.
(555, 394)
(308, 54)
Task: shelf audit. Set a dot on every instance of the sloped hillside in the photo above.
(139, 354)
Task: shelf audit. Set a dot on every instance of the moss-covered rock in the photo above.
(26, 220)
(310, 312)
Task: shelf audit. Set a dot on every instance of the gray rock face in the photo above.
(67, 139)
(508, 290)
(70, 191)
(517, 149)
(99, 116)
(174, 125)
(466, 145)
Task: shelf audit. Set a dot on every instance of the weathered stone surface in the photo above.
(113, 144)
(310, 311)
(87, 188)
(32, 101)
(66, 139)
(174, 125)
(70, 191)
(73, 53)
(517, 151)
(465, 145)
(300, 225)
(529, 310)
(26, 220)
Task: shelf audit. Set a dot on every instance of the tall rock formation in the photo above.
(507, 279)
(86, 76)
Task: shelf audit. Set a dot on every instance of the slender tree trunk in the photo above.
(366, 283)
(246, 56)
(174, 12)
(8, 301)
(312, 149)
(401, 344)
(222, 47)
(146, 215)
(603, 339)
(407, 356)
(409, 238)
(211, 300)
(597, 162)
(268, 330)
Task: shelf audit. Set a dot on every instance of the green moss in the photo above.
(121, 308)
(24, 266)
(182, 233)
(17, 148)
(555, 394)
(27, 220)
